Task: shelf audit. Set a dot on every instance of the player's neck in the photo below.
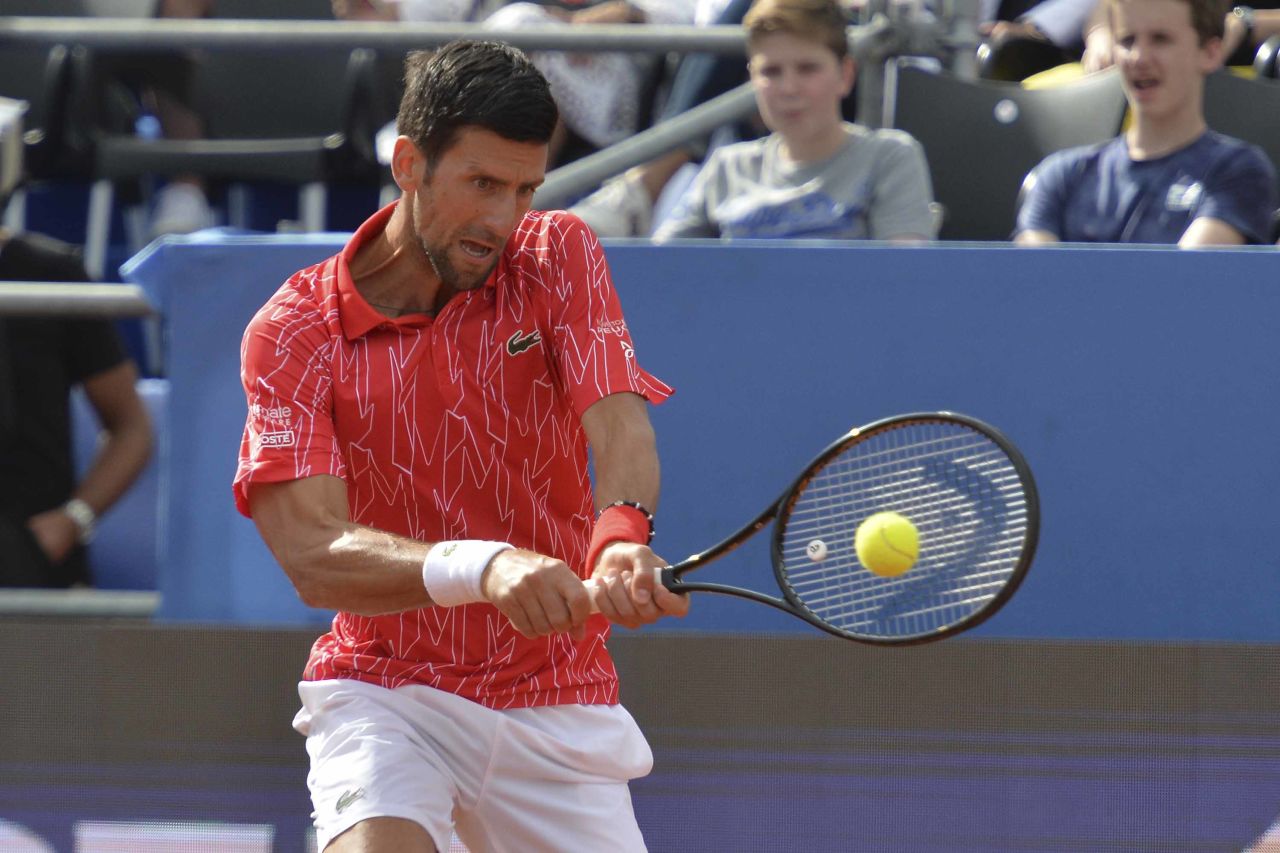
(1151, 137)
(392, 273)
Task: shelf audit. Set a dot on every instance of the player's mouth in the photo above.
(476, 250)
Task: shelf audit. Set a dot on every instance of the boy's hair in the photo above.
(473, 84)
(1208, 17)
(823, 21)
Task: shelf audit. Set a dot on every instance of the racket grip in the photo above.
(662, 576)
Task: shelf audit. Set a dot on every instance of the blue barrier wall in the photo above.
(1135, 381)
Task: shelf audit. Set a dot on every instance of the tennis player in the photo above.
(415, 456)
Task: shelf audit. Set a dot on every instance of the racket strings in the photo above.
(966, 499)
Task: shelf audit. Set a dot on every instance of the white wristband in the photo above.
(452, 571)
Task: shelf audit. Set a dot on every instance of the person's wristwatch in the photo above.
(84, 518)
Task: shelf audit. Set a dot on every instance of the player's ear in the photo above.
(407, 164)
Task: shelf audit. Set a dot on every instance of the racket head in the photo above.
(968, 491)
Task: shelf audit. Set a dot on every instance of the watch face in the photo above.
(83, 516)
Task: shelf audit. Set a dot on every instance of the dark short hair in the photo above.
(473, 84)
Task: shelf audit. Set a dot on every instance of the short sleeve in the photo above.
(92, 347)
(1242, 193)
(285, 370)
(592, 347)
(903, 193)
(1044, 207)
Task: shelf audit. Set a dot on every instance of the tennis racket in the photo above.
(965, 487)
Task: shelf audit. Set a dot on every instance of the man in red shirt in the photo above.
(415, 456)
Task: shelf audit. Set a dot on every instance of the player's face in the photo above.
(1160, 56)
(799, 85)
(467, 207)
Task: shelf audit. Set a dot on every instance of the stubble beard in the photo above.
(438, 256)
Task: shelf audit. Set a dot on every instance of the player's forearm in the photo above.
(333, 562)
(625, 451)
(359, 570)
(119, 461)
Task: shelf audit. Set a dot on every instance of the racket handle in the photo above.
(661, 576)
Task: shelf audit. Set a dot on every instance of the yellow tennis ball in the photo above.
(887, 544)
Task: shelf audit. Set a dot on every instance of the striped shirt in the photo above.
(465, 426)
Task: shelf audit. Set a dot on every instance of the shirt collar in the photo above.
(357, 316)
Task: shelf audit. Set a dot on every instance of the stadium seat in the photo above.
(981, 137)
(55, 147)
(1015, 58)
(46, 78)
(124, 553)
(1247, 109)
(296, 117)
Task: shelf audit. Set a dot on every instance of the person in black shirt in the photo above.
(45, 515)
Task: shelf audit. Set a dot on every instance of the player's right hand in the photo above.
(538, 594)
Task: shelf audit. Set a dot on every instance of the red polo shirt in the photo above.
(465, 426)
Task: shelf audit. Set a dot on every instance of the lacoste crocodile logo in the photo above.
(347, 798)
(519, 342)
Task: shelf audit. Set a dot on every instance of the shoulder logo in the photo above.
(519, 342)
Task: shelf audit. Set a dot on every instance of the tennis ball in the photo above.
(887, 544)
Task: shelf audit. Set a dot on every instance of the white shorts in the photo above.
(526, 779)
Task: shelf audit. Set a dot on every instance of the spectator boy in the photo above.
(815, 175)
(1168, 178)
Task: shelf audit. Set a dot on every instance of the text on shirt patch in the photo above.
(276, 439)
(277, 414)
(519, 342)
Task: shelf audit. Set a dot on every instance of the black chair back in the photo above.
(1246, 109)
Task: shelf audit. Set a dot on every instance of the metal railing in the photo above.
(135, 34)
(113, 603)
(890, 30)
(56, 299)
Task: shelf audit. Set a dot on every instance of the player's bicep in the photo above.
(289, 431)
(299, 519)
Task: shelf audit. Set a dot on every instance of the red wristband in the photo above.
(618, 523)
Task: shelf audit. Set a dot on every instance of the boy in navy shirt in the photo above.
(1169, 178)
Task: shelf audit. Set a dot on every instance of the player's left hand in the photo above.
(627, 590)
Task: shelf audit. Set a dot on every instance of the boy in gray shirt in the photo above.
(815, 176)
